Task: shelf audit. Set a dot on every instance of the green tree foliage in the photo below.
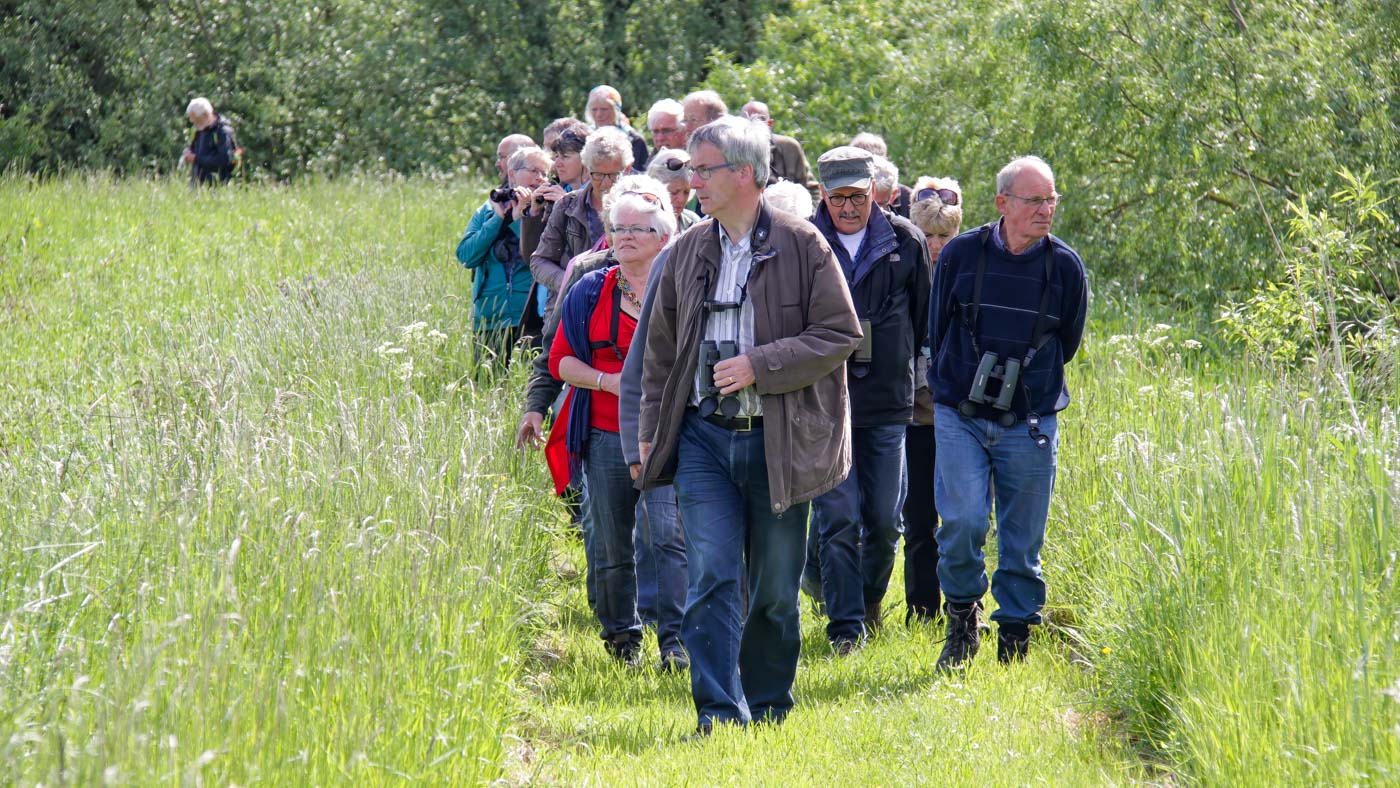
(336, 85)
(1179, 131)
(1338, 302)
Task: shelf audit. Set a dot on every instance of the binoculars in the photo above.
(711, 353)
(995, 385)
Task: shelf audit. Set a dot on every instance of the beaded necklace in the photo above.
(626, 288)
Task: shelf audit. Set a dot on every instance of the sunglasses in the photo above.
(647, 196)
(948, 196)
(676, 165)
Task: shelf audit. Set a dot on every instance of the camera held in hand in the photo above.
(711, 402)
(994, 385)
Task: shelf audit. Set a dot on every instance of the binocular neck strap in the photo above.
(1039, 336)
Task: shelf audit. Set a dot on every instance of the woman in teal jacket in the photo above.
(490, 249)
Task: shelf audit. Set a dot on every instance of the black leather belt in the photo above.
(736, 424)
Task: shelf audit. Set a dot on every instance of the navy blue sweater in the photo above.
(1011, 292)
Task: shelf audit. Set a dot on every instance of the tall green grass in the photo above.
(259, 519)
(1234, 531)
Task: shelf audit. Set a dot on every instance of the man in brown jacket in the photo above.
(744, 407)
(789, 161)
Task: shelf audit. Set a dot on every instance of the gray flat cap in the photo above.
(846, 166)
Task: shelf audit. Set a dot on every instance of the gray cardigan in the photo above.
(629, 398)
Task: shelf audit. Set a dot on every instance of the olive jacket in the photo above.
(804, 328)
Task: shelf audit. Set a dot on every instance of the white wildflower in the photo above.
(1191, 344)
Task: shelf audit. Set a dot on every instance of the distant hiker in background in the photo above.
(213, 153)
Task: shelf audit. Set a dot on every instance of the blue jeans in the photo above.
(977, 458)
(859, 527)
(741, 669)
(610, 513)
(661, 566)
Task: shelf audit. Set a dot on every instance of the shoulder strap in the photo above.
(614, 323)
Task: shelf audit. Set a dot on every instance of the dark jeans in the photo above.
(661, 581)
(610, 524)
(741, 667)
(859, 529)
(921, 591)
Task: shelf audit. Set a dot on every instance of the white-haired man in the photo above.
(213, 153)
(1007, 313)
(666, 122)
(743, 405)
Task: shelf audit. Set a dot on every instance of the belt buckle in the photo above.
(748, 423)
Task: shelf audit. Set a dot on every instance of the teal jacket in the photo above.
(500, 287)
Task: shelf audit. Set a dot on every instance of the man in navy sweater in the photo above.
(1007, 311)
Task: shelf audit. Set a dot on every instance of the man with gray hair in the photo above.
(1007, 313)
(789, 160)
(213, 153)
(743, 406)
(701, 107)
(510, 144)
(666, 122)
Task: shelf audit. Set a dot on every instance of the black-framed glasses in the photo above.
(604, 177)
(1039, 202)
(840, 200)
(706, 172)
(676, 164)
(948, 196)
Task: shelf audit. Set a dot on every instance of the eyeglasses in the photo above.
(948, 196)
(535, 170)
(840, 200)
(705, 173)
(676, 164)
(633, 229)
(1038, 202)
(602, 177)
(671, 130)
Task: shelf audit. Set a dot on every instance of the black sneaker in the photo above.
(844, 647)
(1013, 641)
(674, 662)
(963, 637)
(701, 733)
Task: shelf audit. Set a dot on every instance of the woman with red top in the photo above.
(597, 318)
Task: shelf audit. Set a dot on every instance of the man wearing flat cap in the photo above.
(886, 266)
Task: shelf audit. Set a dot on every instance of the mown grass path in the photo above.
(261, 521)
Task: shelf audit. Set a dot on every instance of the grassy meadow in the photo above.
(261, 522)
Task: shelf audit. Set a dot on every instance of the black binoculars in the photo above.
(711, 353)
(994, 385)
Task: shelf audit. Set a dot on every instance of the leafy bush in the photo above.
(1337, 300)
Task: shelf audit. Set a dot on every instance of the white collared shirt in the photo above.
(736, 258)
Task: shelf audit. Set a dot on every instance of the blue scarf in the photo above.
(578, 307)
